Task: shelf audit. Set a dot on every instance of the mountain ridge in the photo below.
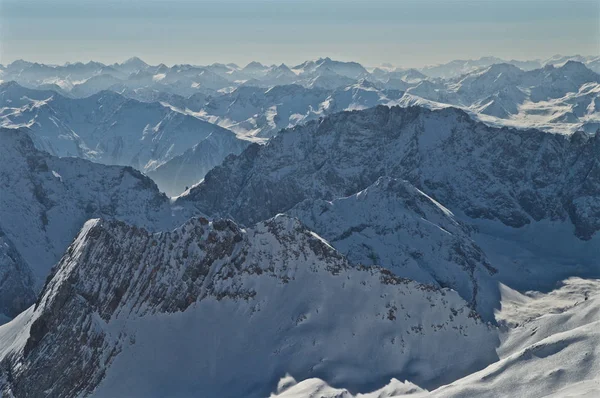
(243, 273)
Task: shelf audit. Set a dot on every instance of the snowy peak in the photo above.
(408, 75)
(254, 66)
(510, 69)
(489, 81)
(393, 224)
(356, 148)
(14, 95)
(135, 63)
(280, 71)
(351, 70)
(117, 284)
(577, 70)
(279, 75)
(457, 68)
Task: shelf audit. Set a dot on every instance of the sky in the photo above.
(402, 32)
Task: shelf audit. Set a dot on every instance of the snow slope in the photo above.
(550, 350)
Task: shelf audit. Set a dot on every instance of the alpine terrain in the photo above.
(313, 229)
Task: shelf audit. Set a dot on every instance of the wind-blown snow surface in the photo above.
(227, 311)
(551, 349)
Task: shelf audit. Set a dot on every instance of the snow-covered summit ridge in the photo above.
(119, 287)
(517, 177)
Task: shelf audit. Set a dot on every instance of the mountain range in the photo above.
(324, 234)
(239, 304)
(558, 94)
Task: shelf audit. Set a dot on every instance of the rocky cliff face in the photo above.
(513, 176)
(17, 285)
(209, 303)
(45, 200)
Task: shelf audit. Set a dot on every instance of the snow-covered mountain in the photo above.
(253, 70)
(105, 127)
(458, 68)
(256, 111)
(500, 92)
(215, 308)
(550, 350)
(259, 112)
(397, 76)
(185, 170)
(338, 251)
(513, 176)
(279, 75)
(132, 65)
(503, 180)
(352, 70)
(44, 202)
(82, 80)
(539, 84)
(592, 62)
(393, 224)
(553, 98)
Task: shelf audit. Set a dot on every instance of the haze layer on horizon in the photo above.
(404, 32)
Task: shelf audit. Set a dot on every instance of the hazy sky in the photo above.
(402, 32)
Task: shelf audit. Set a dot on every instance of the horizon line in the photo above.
(383, 64)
